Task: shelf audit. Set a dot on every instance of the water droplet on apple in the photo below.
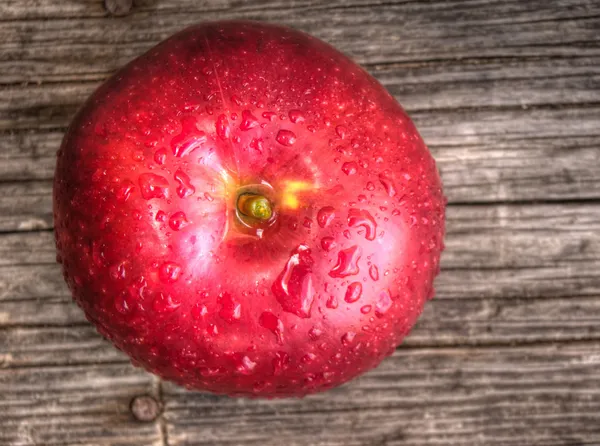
(231, 310)
(370, 186)
(249, 121)
(169, 272)
(314, 333)
(325, 216)
(286, 137)
(124, 192)
(357, 217)
(332, 302)
(198, 311)
(374, 272)
(353, 292)
(165, 303)
(365, 309)
(350, 168)
(388, 184)
(280, 363)
(269, 115)
(153, 186)
(384, 303)
(161, 216)
(328, 243)
(178, 221)
(296, 116)
(348, 337)
(341, 131)
(271, 322)
(160, 156)
(222, 127)
(294, 287)
(308, 358)
(185, 188)
(347, 264)
(245, 365)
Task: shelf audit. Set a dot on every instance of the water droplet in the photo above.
(370, 186)
(249, 121)
(332, 302)
(363, 218)
(314, 333)
(118, 271)
(328, 243)
(236, 100)
(231, 310)
(161, 216)
(198, 311)
(222, 127)
(189, 139)
(257, 144)
(307, 222)
(296, 116)
(124, 192)
(271, 322)
(365, 309)
(160, 156)
(245, 365)
(384, 303)
(325, 216)
(308, 358)
(350, 168)
(348, 337)
(388, 184)
(286, 137)
(294, 287)
(153, 186)
(347, 264)
(165, 303)
(374, 272)
(169, 272)
(185, 188)
(353, 292)
(341, 131)
(280, 363)
(178, 221)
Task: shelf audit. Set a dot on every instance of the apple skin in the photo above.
(154, 248)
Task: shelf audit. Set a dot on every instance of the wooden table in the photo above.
(506, 94)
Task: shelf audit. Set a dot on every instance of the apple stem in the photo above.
(256, 206)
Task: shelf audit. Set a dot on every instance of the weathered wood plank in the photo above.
(543, 395)
(78, 404)
(25, 206)
(52, 346)
(87, 43)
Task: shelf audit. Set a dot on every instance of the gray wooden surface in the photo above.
(506, 94)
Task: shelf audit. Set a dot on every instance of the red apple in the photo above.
(246, 211)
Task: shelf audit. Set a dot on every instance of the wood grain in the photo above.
(542, 395)
(506, 94)
(74, 404)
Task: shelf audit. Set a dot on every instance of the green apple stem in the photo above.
(255, 206)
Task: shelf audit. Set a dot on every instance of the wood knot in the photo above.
(145, 408)
(118, 8)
